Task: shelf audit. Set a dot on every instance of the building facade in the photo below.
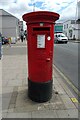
(71, 29)
(8, 24)
(20, 27)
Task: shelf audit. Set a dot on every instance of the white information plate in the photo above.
(40, 41)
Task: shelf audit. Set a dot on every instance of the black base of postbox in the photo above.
(40, 92)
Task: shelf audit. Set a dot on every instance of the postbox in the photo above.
(40, 41)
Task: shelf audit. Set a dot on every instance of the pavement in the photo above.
(75, 41)
(14, 86)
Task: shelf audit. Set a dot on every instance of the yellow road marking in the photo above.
(74, 100)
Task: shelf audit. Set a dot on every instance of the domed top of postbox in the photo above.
(40, 16)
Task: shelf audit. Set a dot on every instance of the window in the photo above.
(70, 33)
(64, 26)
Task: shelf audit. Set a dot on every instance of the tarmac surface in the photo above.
(14, 87)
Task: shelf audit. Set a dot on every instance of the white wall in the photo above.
(76, 31)
(79, 31)
(71, 27)
(0, 21)
(67, 26)
(8, 24)
(0, 24)
(79, 10)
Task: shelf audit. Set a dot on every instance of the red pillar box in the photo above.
(40, 28)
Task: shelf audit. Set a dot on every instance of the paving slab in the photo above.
(18, 115)
(44, 114)
(67, 101)
(71, 113)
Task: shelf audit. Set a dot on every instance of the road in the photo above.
(66, 60)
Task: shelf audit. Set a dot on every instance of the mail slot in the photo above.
(40, 27)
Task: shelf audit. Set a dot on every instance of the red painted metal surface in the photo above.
(40, 27)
